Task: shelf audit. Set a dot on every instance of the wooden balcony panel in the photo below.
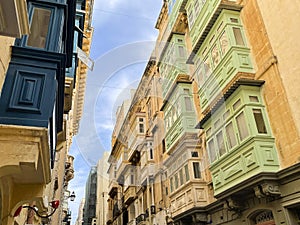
(113, 189)
(134, 145)
(129, 195)
(236, 63)
(255, 156)
(184, 125)
(191, 195)
(206, 18)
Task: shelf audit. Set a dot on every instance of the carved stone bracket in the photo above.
(200, 218)
(233, 204)
(267, 189)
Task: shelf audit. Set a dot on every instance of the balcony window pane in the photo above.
(188, 104)
(237, 104)
(141, 128)
(151, 153)
(187, 175)
(221, 145)
(230, 135)
(196, 6)
(171, 185)
(176, 181)
(226, 115)
(259, 120)
(195, 154)
(238, 36)
(253, 99)
(181, 51)
(39, 28)
(211, 150)
(215, 55)
(196, 168)
(242, 126)
(224, 42)
(181, 177)
(190, 16)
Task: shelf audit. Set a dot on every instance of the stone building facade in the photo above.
(211, 135)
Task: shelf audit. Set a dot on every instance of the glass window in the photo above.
(259, 120)
(151, 153)
(224, 42)
(253, 99)
(188, 104)
(211, 150)
(176, 181)
(163, 146)
(196, 6)
(226, 115)
(186, 91)
(39, 28)
(141, 128)
(187, 175)
(242, 126)
(196, 168)
(230, 135)
(234, 20)
(181, 51)
(238, 36)
(190, 16)
(236, 104)
(181, 177)
(131, 179)
(194, 154)
(217, 123)
(220, 141)
(215, 55)
(171, 185)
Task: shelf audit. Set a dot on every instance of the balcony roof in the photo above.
(225, 4)
(225, 95)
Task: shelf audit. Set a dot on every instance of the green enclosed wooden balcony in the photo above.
(239, 142)
(223, 56)
(173, 62)
(180, 117)
(202, 15)
(129, 194)
(255, 156)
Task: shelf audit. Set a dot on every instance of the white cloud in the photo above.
(120, 30)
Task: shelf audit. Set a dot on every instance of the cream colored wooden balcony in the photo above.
(191, 195)
(113, 188)
(129, 194)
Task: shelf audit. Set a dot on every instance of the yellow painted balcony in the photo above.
(133, 144)
(113, 188)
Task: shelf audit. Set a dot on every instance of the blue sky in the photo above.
(124, 36)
